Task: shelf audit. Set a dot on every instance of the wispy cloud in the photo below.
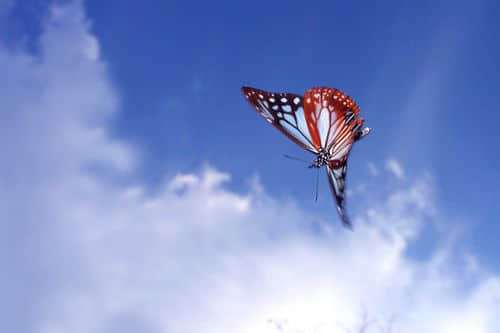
(372, 168)
(195, 257)
(393, 166)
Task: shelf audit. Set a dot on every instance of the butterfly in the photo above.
(324, 122)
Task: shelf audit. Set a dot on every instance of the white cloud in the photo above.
(85, 256)
(393, 166)
(372, 168)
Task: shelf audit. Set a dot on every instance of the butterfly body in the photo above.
(322, 158)
(324, 122)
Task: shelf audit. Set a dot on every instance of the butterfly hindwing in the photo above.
(284, 111)
(336, 172)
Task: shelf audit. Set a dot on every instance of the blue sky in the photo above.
(419, 72)
(140, 192)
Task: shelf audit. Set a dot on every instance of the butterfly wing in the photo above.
(336, 178)
(284, 111)
(332, 119)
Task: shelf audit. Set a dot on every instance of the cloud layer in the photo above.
(84, 255)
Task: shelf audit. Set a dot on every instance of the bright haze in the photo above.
(139, 192)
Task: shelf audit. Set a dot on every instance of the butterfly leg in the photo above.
(317, 184)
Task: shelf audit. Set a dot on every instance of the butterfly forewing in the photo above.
(284, 111)
(331, 119)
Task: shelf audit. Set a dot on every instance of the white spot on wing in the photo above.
(296, 100)
(323, 125)
(286, 108)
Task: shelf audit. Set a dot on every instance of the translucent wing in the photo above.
(331, 117)
(285, 112)
(336, 177)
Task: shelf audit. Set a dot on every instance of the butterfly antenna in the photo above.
(295, 158)
(317, 183)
